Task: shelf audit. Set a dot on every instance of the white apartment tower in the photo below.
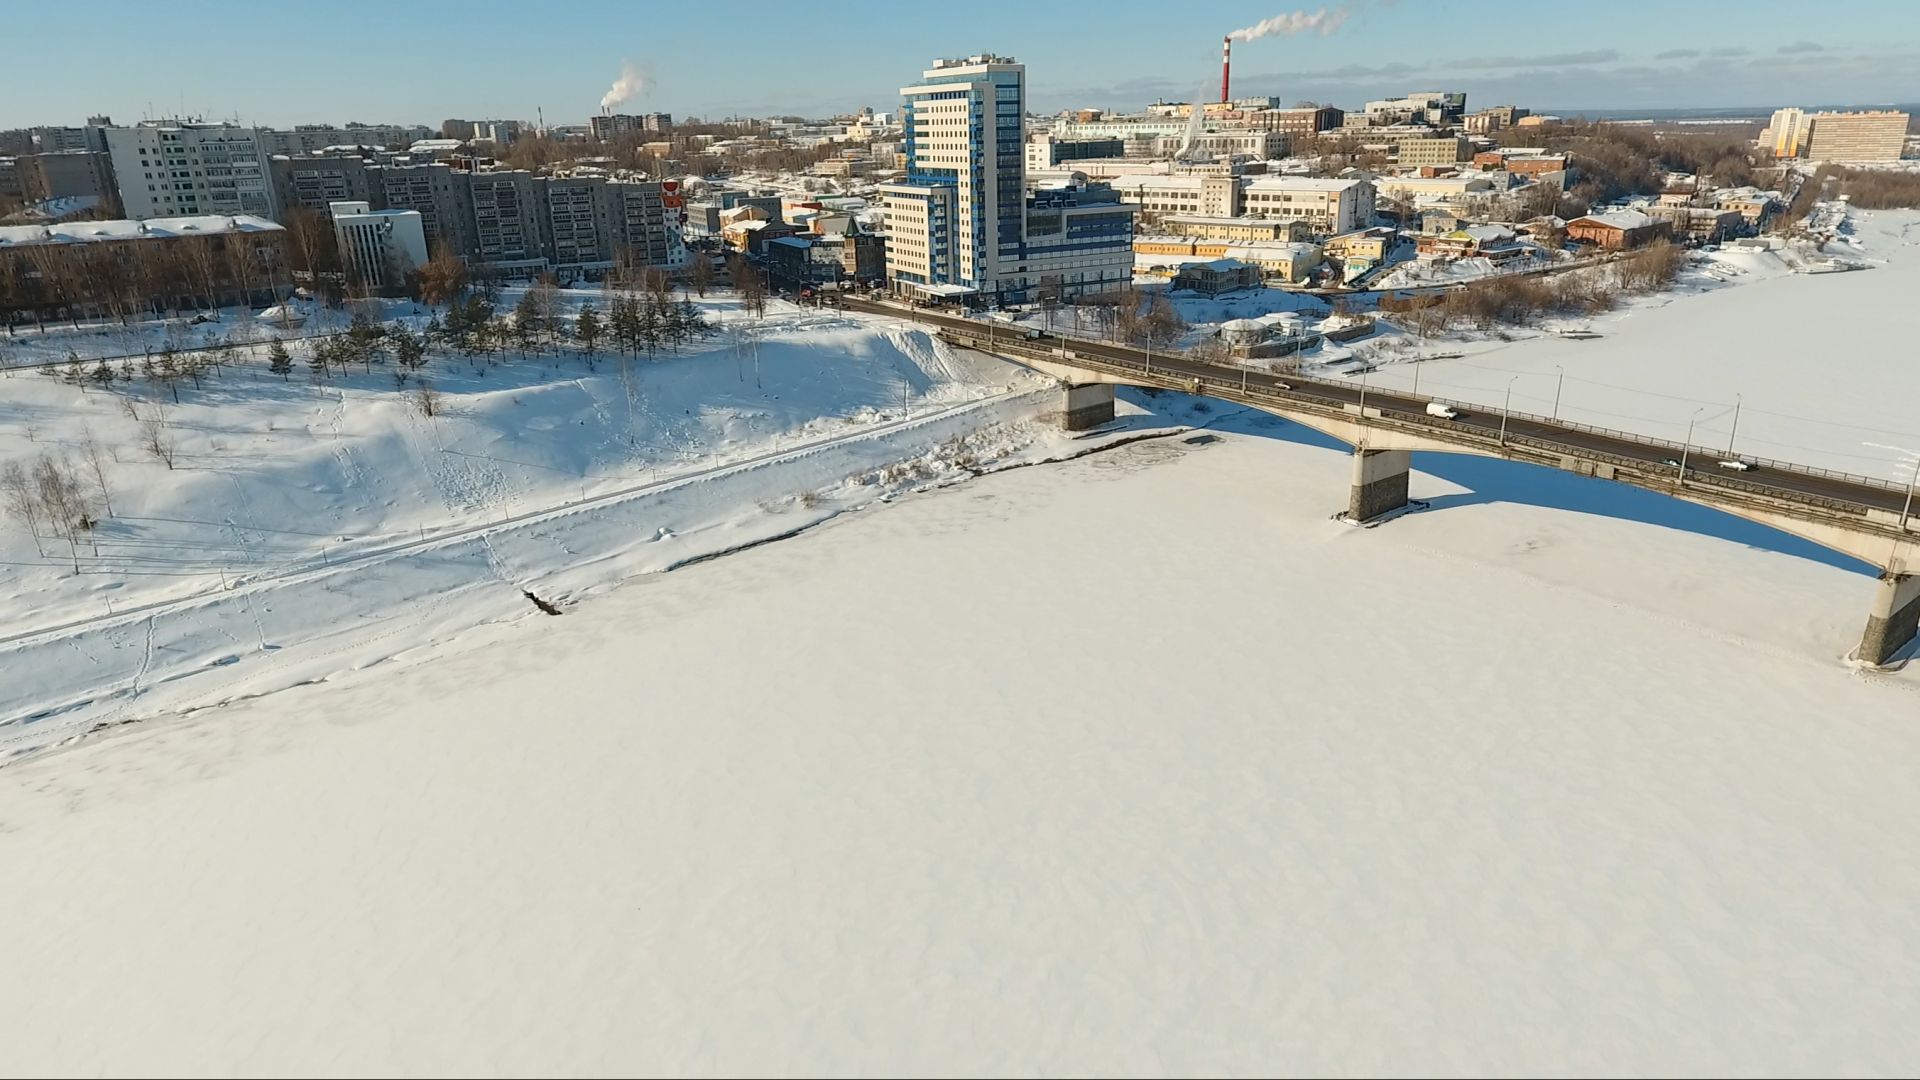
(177, 168)
(957, 225)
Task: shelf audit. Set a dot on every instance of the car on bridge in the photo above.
(1737, 465)
(1444, 412)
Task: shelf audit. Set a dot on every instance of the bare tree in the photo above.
(90, 446)
(427, 400)
(63, 501)
(156, 438)
(23, 502)
(701, 273)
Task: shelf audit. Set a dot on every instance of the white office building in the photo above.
(961, 227)
(378, 248)
(957, 224)
(175, 168)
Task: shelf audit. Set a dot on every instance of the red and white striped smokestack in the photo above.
(1226, 69)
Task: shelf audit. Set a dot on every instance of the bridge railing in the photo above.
(1703, 452)
(1421, 423)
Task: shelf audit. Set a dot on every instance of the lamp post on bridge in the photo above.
(1505, 409)
(1688, 445)
(1912, 481)
(1562, 381)
(1736, 425)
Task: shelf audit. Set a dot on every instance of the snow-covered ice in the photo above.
(1134, 765)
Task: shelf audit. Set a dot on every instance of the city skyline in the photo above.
(423, 66)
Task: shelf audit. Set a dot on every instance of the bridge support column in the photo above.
(1379, 483)
(1895, 617)
(1087, 406)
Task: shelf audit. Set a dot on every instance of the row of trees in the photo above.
(1514, 300)
(1135, 318)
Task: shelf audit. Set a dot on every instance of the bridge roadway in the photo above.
(1475, 427)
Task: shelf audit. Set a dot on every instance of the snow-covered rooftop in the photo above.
(1299, 183)
(1623, 219)
(84, 232)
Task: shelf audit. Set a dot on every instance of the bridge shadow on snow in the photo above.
(1491, 480)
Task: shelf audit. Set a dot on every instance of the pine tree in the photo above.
(647, 328)
(321, 358)
(586, 327)
(278, 360)
(102, 374)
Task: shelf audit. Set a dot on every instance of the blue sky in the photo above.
(426, 60)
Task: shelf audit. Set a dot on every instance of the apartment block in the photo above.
(315, 182)
(168, 168)
(1447, 150)
(67, 174)
(1856, 136)
(313, 138)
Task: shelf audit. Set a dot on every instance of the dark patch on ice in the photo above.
(541, 604)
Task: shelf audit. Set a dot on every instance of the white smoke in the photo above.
(1325, 21)
(624, 88)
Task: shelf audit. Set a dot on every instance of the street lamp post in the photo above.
(1911, 483)
(1688, 445)
(1505, 409)
(1736, 425)
(1562, 381)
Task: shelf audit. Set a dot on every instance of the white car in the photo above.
(1737, 465)
(1444, 412)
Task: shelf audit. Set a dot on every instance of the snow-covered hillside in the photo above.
(1135, 765)
(297, 511)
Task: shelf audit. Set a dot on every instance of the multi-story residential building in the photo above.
(378, 248)
(313, 138)
(10, 177)
(67, 174)
(440, 195)
(1786, 133)
(609, 125)
(317, 182)
(957, 224)
(1441, 150)
(53, 140)
(506, 221)
(166, 168)
(1856, 136)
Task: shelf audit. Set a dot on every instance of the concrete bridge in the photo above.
(1868, 519)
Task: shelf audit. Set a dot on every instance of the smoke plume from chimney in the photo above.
(1323, 22)
(624, 88)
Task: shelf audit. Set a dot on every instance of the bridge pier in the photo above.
(1379, 483)
(1087, 406)
(1895, 617)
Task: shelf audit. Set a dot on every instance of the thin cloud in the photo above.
(1677, 54)
(1802, 47)
(1729, 50)
(1573, 59)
